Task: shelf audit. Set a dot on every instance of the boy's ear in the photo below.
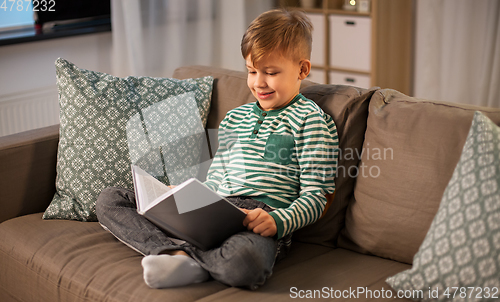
(305, 69)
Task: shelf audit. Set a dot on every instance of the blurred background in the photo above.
(447, 50)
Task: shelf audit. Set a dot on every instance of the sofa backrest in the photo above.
(229, 91)
(411, 148)
(27, 171)
(348, 106)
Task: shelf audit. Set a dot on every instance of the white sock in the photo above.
(161, 271)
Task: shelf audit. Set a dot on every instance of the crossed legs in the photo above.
(245, 259)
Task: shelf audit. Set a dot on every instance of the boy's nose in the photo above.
(260, 81)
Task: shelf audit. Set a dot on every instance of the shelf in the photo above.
(361, 72)
(331, 68)
(389, 42)
(329, 11)
(309, 10)
(346, 12)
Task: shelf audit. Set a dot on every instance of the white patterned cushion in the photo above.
(462, 246)
(108, 123)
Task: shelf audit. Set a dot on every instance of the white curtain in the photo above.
(457, 55)
(153, 37)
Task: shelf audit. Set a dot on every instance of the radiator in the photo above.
(28, 110)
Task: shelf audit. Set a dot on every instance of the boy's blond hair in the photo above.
(280, 30)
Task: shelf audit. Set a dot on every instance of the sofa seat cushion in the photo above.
(337, 274)
(80, 261)
(76, 261)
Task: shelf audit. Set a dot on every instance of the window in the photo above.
(15, 14)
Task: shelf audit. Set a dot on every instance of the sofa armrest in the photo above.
(27, 171)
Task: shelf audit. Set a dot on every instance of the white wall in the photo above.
(27, 77)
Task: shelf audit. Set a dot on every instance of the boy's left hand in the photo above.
(260, 222)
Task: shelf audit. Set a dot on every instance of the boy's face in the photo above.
(276, 80)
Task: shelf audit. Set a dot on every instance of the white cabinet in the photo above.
(317, 75)
(350, 42)
(318, 39)
(347, 78)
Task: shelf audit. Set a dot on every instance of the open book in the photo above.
(190, 211)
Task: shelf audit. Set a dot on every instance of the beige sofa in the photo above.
(397, 156)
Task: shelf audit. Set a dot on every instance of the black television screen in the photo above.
(63, 10)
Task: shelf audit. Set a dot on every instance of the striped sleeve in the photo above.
(316, 144)
(218, 167)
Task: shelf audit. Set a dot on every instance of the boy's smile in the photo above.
(275, 81)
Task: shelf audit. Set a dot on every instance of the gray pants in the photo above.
(245, 259)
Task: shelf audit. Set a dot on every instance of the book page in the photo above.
(148, 189)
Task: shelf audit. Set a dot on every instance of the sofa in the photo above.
(397, 156)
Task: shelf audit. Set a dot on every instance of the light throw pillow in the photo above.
(459, 258)
(108, 123)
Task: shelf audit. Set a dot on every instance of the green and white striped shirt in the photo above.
(286, 158)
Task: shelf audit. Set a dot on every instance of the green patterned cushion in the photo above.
(108, 123)
(459, 258)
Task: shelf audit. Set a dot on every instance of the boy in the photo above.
(276, 160)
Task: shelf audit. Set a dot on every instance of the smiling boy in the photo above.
(276, 159)
(285, 143)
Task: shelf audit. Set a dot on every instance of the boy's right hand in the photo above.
(260, 222)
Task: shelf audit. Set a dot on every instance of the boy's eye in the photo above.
(272, 73)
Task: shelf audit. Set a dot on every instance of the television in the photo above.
(70, 11)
